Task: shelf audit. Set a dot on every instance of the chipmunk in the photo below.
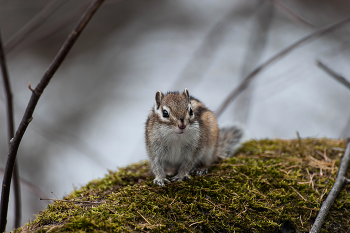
(182, 137)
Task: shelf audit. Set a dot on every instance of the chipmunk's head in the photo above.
(174, 110)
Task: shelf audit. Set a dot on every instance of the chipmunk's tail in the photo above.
(229, 141)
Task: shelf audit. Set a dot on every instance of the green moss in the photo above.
(267, 185)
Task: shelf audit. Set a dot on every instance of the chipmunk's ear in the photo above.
(159, 97)
(186, 94)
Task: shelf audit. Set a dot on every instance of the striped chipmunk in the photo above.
(182, 137)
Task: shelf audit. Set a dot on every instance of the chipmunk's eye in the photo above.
(191, 112)
(165, 113)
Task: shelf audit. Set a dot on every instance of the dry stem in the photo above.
(339, 183)
(334, 75)
(28, 115)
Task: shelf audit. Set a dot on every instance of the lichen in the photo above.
(269, 185)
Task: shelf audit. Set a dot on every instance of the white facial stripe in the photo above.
(157, 110)
(169, 112)
(160, 112)
(189, 108)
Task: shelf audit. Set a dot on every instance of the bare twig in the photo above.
(324, 155)
(28, 115)
(173, 200)
(58, 135)
(245, 83)
(34, 23)
(278, 4)
(258, 193)
(144, 217)
(30, 186)
(347, 181)
(296, 191)
(30, 87)
(55, 27)
(71, 201)
(195, 223)
(299, 139)
(217, 207)
(10, 133)
(333, 74)
(339, 183)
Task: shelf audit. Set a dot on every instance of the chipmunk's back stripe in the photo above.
(200, 111)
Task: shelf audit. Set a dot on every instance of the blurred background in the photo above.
(91, 116)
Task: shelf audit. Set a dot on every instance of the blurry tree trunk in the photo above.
(256, 47)
(10, 133)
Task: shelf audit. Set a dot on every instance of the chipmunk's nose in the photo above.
(182, 126)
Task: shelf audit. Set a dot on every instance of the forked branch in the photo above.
(339, 183)
(245, 83)
(28, 115)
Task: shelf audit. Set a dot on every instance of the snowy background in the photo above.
(91, 116)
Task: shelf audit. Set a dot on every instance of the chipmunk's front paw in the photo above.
(181, 178)
(201, 171)
(160, 181)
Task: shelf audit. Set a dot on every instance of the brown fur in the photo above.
(173, 150)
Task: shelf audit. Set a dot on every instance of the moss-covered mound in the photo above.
(269, 186)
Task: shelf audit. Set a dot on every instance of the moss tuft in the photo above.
(268, 186)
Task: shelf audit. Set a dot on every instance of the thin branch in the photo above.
(347, 181)
(195, 223)
(30, 186)
(51, 132)
(296, 191)
(10, 133)
(8, 92)
(173, 200)
(333, 74)
(28, 115)
(59, 136)
(71, 201)
(278, 4)
(245, 83)
(55, 27)
(144, 217)
(32, 24)
(339, 183)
